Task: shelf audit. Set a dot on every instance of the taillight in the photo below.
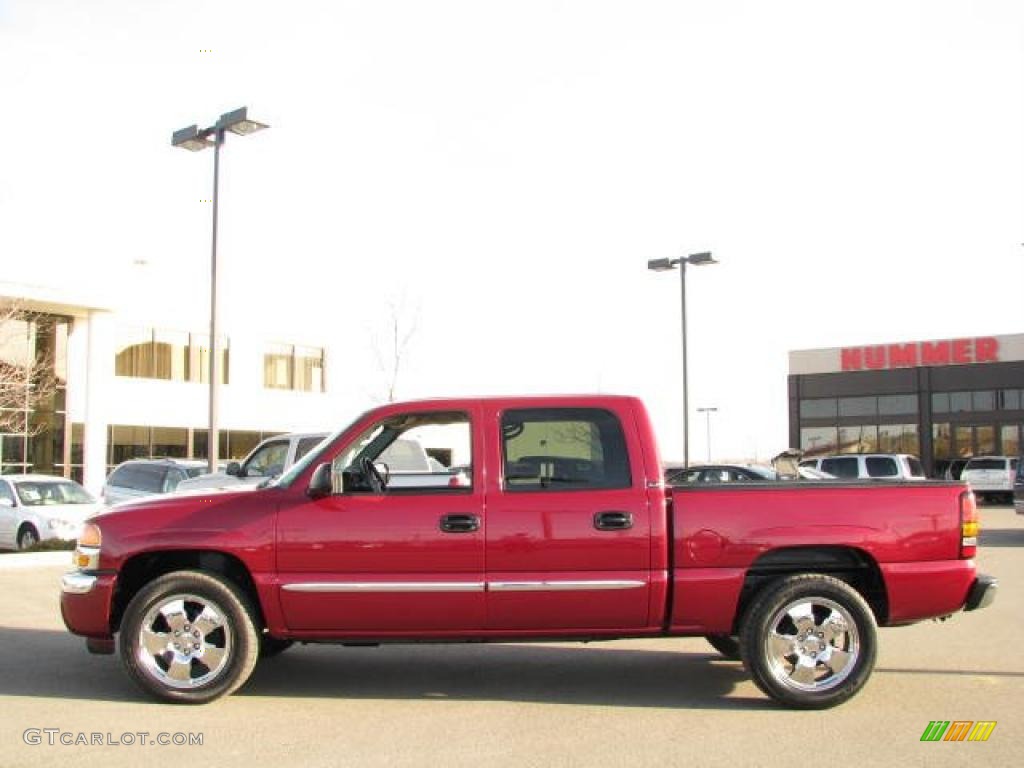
(970, 525)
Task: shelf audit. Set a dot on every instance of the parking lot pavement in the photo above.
(651, 702)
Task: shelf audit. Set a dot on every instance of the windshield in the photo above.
(313, 457)
(43, 493)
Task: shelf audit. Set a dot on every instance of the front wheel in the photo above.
(28, 537)
(188, 637)
(809, 641)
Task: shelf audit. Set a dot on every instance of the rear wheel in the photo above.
(809, 641)
(188, 637)
(727, 645)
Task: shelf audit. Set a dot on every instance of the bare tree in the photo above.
(28, 377)
(391, 346)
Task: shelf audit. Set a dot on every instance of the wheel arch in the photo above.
(143, 568)
(849, 564)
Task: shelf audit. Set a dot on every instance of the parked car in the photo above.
(869, 466)
(35, 508)
(266, 461)
(564, 531)
(991, 477)
(136, 478)
(734, 473)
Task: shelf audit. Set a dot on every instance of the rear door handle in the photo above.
(460, 523)
(613, 521)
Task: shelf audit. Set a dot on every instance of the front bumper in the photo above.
(982, 593)
(85, 602)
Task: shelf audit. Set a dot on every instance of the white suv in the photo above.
(991, 476)
(869, 466)
(267, 460)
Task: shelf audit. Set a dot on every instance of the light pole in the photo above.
(666, 265)
(707, 412)
(195, 140)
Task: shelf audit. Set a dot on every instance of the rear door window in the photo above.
(563, 449)
(842, 466)
(881, 466)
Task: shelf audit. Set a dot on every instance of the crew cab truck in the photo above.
(562, 529)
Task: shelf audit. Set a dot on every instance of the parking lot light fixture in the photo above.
(194, 140)
(665, 265)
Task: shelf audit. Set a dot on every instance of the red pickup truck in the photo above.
(553, 523)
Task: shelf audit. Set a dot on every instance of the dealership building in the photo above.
(940, 399)
(85, 384)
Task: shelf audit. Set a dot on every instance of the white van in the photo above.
(991, 476)
(869, 466)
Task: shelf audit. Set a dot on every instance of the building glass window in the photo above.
(1009, 399)
(286, 366)
(858, 439)
(940, 402)
(983, 401)
(168, 355)
(858, 406)
(824, 408)
(960, 402)
(170, 442)
(942, 444)
(33, 381)
(899, 438)
(986, 440)
(818, 441)
(963, 442)
(1010, 439)
(893, 405)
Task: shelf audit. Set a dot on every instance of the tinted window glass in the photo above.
(916, 468)
(986, 464)
(858, 406)
(306, 445)
(845, 467)
(940, 402)
(889, 405)
(881, 466)
(563, 449)
(818, 409)
(984, 401)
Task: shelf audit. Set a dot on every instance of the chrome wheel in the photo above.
(184, 641)
(809, 640)
(812, 645)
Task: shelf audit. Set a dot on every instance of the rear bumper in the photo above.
(982, 593)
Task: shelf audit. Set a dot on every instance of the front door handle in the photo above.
(460, 523)
(613, 521)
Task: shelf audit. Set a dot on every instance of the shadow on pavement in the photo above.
(55, 664)
(1002, 537)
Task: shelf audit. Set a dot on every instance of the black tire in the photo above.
(727, 645)
(809, 641)
(271, 646)
(207, 619)
(28, 537)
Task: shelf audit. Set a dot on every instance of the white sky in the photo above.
(509, 168)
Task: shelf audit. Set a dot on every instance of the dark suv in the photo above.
(145, 477)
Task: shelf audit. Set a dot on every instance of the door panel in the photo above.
(566, 559)
(408, 560)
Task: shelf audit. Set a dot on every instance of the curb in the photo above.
(16, 561)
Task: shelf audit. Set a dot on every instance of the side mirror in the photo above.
(234, 469)
(320, 485)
